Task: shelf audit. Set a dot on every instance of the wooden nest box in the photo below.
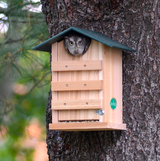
(86, 90)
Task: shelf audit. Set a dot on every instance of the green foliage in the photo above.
(13, 151)
(24, 77)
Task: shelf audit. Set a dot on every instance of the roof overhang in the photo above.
(46, 45)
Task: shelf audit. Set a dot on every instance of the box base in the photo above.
(87, 126)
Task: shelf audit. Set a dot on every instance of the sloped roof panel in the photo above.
(46, 45)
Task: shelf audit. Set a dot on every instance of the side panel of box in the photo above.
(112, 83)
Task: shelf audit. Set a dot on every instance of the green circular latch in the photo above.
(113, 103)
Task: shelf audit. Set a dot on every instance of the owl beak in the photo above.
(76, 49)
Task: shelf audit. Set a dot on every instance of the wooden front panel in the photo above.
(92, 87)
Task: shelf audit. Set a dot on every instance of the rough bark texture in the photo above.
(136, 24)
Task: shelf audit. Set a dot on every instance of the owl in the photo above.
(76, 44)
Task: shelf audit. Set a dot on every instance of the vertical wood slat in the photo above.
(93, 54)
(54, 78)
(101, 51)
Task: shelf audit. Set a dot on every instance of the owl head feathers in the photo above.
(76, 44)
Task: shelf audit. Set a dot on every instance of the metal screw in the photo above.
(66, 85)
(66, 66)
(85, 65)
(64, 103)
(86, 103)
(85, 84)
(100, 112)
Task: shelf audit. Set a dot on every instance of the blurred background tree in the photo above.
(24, 76)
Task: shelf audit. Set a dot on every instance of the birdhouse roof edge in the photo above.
(46, 45)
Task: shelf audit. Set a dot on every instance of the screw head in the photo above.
(100, 112)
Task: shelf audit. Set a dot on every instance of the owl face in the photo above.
(76, 45)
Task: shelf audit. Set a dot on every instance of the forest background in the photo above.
(24, 81)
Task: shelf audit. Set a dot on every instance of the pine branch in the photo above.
(33, 87)
(21, 21)
(3, 10)
(19, 13)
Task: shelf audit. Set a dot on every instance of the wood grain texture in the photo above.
(77, 65)
(77, 85)
(100, 51)
(78, 107)
(112, 83)
(76, 104)
(87, 126)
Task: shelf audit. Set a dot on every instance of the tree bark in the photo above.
(134, 23)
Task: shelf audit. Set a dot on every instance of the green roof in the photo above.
(46, 45)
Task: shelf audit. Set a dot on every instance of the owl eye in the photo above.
(80, 42)
(71, 43)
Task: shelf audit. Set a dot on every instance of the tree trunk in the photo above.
(134, 23)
